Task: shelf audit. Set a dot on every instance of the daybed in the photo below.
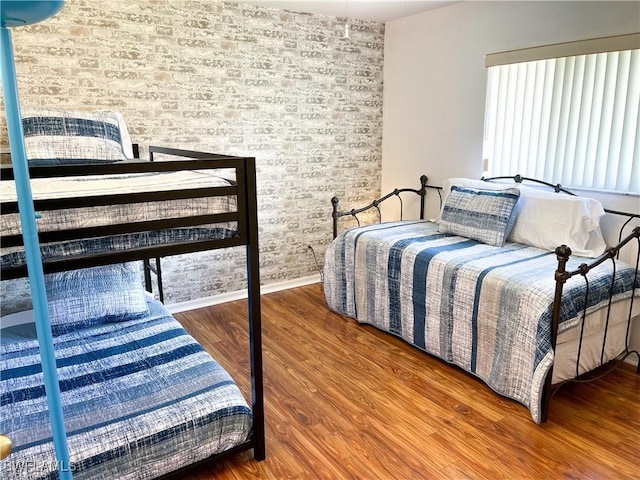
(141, 398)
(481, 287)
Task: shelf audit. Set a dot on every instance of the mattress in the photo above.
(589, 354)
(485, 309)
(140, 398)
(126, 213)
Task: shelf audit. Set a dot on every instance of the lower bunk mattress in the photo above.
(140, 398)
(485, 309)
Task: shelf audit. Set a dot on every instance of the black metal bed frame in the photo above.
(561, 276)
(422, 192)
(247, 235)
(156, 266)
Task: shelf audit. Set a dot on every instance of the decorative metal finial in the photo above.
(5, 446)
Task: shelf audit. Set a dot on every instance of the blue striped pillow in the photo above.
(483, 215)
(91, 296)
(56, 138)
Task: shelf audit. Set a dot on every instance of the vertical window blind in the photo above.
(570, 119)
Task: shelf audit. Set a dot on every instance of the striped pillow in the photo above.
(91, 296)
(483, 215)
(54, 137)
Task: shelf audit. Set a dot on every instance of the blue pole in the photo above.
(32, 250)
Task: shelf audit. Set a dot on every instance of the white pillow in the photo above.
(548, 219)
(127, 145)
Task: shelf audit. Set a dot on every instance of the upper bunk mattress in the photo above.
(122, 213)
(140, 399)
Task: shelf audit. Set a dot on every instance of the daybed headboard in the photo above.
(623, 224)
(354, 212)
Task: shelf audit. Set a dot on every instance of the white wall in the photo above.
(435, 80)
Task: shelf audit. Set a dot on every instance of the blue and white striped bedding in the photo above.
(120, 243)
(485, 309)
(110, 215)
(141, 398)
(56, 138)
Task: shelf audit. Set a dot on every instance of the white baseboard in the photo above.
(240, 294)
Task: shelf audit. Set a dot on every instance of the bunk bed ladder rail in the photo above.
(561, 276)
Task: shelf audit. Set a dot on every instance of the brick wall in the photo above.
(284, 87)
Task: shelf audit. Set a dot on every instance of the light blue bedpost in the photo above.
(13, 14)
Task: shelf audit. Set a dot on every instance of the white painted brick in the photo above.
(284, 87)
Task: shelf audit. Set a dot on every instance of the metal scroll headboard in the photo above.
(559, 188)
(422, 192)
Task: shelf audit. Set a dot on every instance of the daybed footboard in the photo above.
(586, 270)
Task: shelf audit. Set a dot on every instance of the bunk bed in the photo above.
(141, 398)
(110, 385)
(491, 285)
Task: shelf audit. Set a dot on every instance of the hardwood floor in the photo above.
(346, 401)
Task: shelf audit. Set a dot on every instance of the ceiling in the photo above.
(372, 10)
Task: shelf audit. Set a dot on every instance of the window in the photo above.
(566, 113)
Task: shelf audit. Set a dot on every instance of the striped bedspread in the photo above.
(120, 243)
(140, 398)
(485, 309)
(121, 213)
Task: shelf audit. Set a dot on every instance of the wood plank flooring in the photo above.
(346, 401)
